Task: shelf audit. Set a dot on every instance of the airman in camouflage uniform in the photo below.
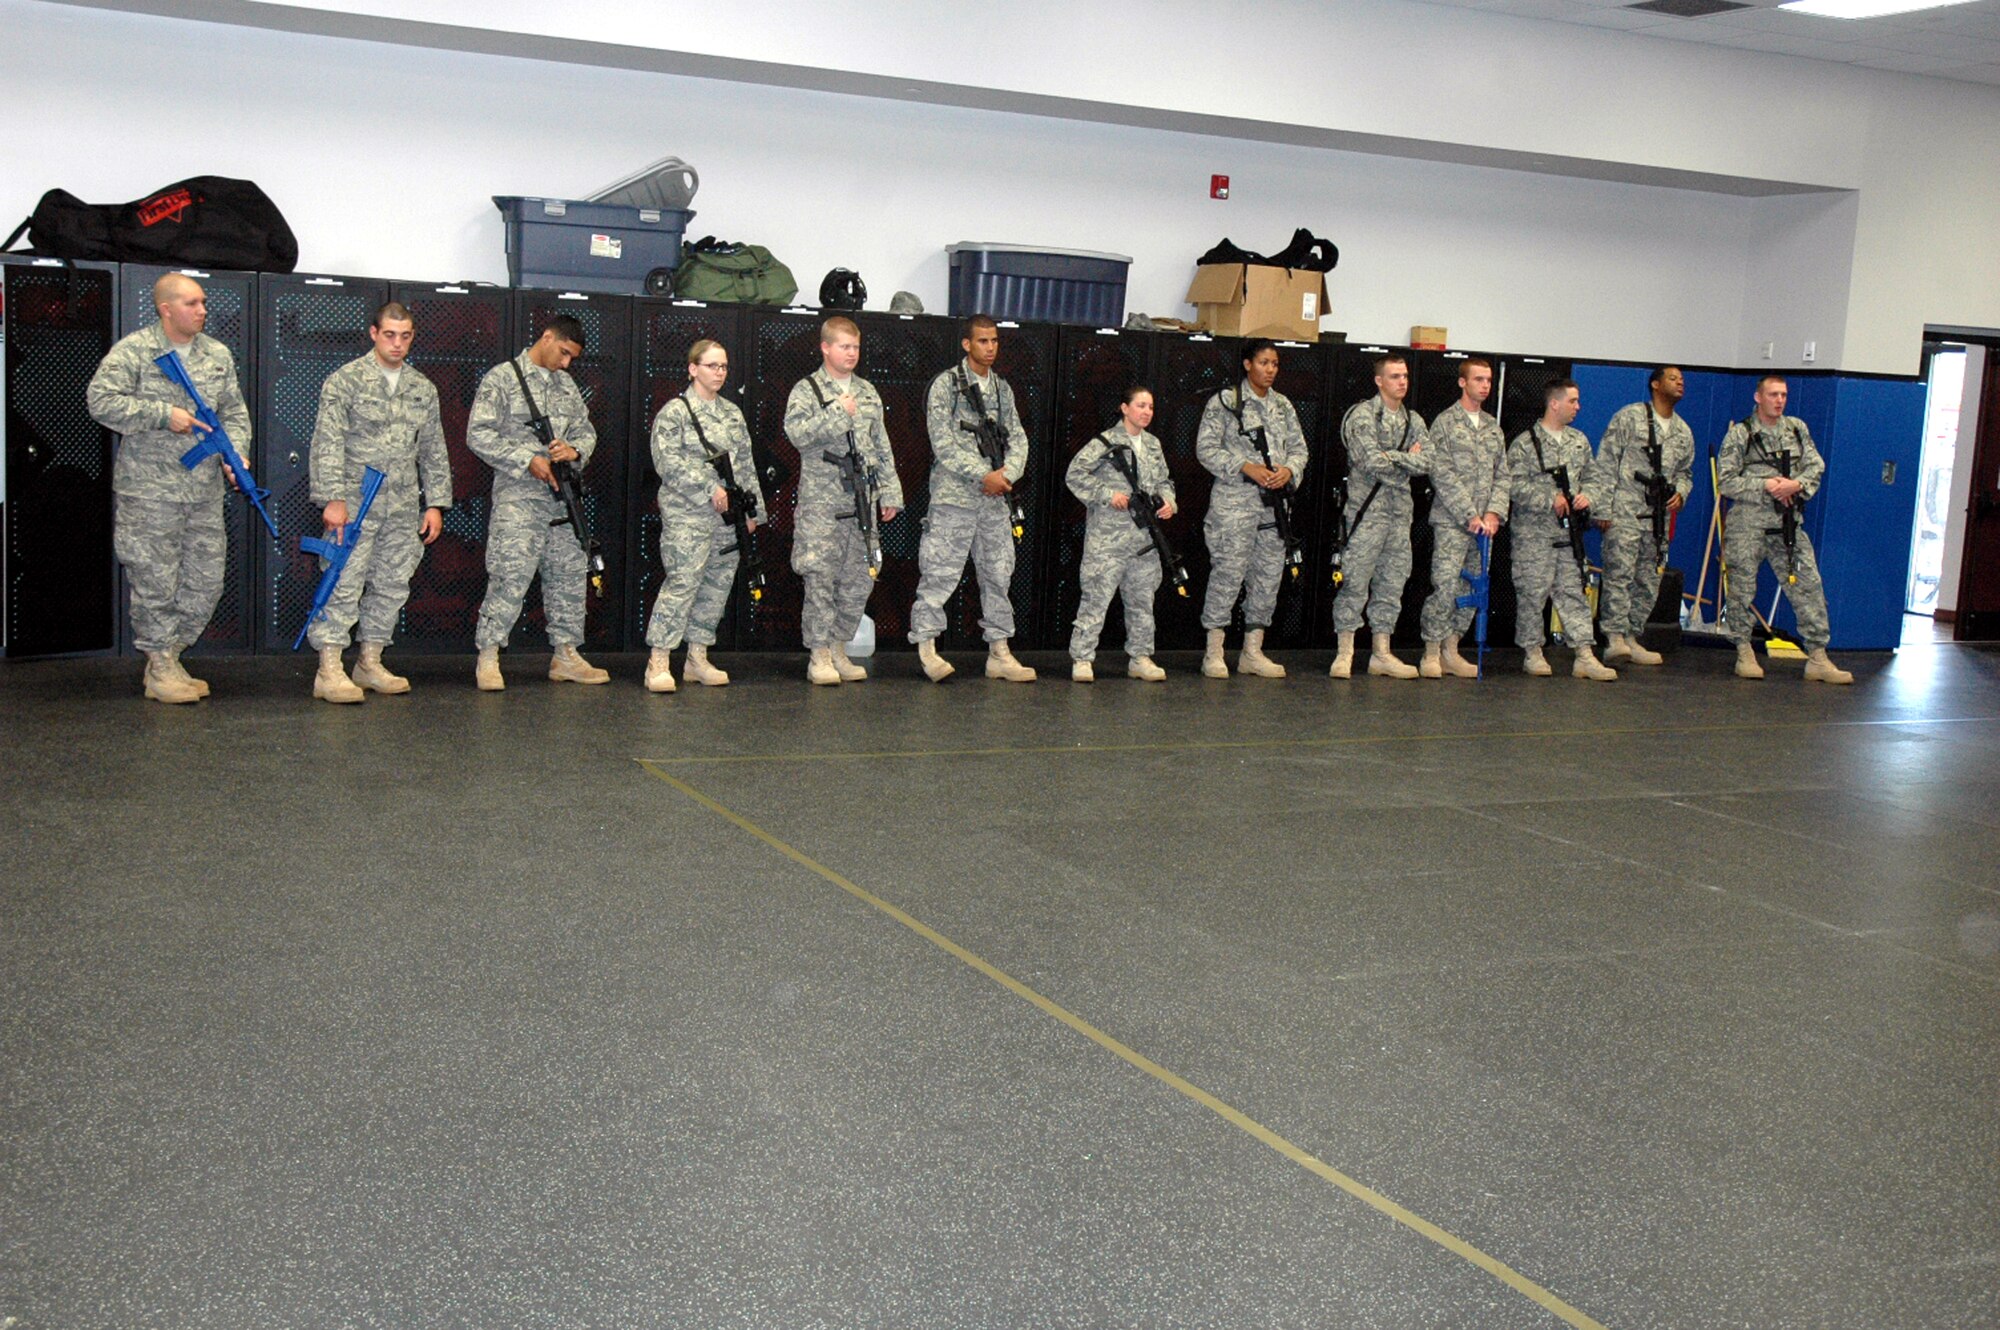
(1118, 555)
(968, 509)
(520, 542)
(376, 411)
(1544, 559)
(830, 411)
(1385, 448)
(1468, 472)
(1245, 553)
(1618, 479)
(698, 551)
(169, 529)
(1754, 480)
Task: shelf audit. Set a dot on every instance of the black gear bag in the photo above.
(204, 222)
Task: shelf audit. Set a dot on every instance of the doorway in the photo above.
(1945, 375)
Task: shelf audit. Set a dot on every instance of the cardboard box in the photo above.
(1254, 300)
(1423, 337)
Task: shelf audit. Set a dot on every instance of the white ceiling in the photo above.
(1956, 42)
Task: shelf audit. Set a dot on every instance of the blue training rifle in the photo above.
(335, 553)
(1478, 586)
(215, 442)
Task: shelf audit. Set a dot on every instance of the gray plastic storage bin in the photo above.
(585, 246)
(1046, 285)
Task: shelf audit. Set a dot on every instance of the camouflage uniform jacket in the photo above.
(1749, 457)
(821, 432)
(1468, 467)
(1617, 482)
(688, 480)
(361, 425)
(1094, 478)
(130, 394)
(497, 431)
(957, 465)
(1224, 448)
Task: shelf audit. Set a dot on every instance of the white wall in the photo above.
(384, 157)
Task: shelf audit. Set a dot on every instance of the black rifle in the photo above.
(858, 479)
(1145, 511)
(1790, 525)
(1572, 524)
(742, 507)
(569, 488)
(1343, 529)
(1658, 492)
(991, 437)
(1279, 501)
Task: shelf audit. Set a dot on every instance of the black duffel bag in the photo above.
(208, 221)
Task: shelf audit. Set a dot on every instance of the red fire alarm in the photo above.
(1218, 186)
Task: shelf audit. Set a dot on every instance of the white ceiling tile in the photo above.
(1616, 16)
(1901, 63)
(1932, 42)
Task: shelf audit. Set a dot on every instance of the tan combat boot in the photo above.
(331, 684)
(1821, 669)
(1082, 671)
(1617, 647)
(1587, 666)
(1746, 662)
(569, 666)
(936, 668)
(698, 670)
(1431, 664)
(1456, 665)
(1343, 658)
(1383, 661)
(370, 673)
(1641, 656)
(849, 672)
(1212, 664)
(166, 684)
(1142, 667)
(820, 668)
(486, 672)
(1000, 664)
(1252, 660)
(200, 686)
(1535, 663)
(660, 671)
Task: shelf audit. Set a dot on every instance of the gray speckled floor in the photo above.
(1679, 996)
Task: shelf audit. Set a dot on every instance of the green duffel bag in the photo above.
(729, 273)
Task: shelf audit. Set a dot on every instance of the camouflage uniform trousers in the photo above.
(376, 582)
(1631, 576)
(951, 533)
(1452, 550)
(699, 556)
(1245, 556)
(520, 543)
(1122, 563)
(1545, 569)
(1745, 545)
(1377, 563)
(831, 558)
(174, 555)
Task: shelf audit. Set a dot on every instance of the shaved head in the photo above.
(171, 285)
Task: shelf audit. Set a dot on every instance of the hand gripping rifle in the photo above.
(1145, 511)
(214, 441)
(1476, 598)
(569, 487)
(336, 553)
(992, 440)
(1279, 501)
(742, 508)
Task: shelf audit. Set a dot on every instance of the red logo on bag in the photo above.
(165, 208)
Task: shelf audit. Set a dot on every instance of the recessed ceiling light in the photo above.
(1864, 8)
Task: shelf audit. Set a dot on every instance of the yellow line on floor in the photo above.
(1184, 745)
(1457, 1246)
